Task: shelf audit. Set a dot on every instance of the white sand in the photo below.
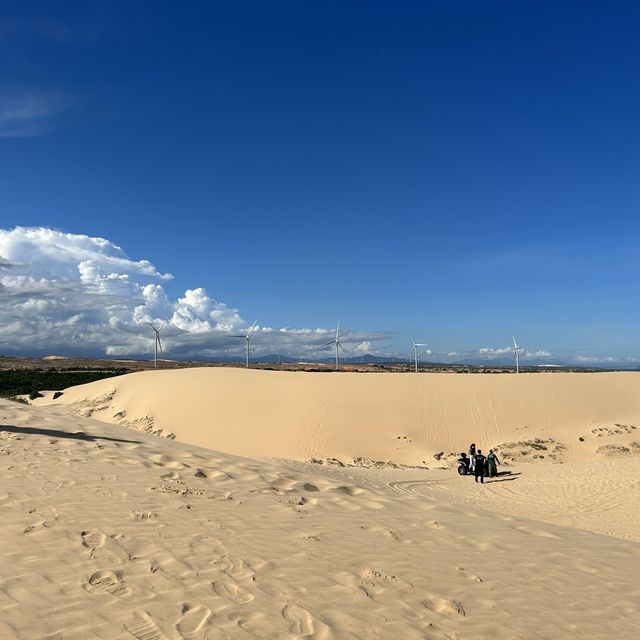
(405, 418)
(109, 532)
(113, 534)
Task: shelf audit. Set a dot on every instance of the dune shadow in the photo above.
(55, 433)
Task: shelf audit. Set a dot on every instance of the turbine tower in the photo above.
(247, 337)
(414, 351)
(516, 350)
(337, 343)
(158, 344)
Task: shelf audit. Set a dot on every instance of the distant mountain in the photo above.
(275, 358)
(367, 358)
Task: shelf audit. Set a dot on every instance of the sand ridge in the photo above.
(404, 418)
(110, 533)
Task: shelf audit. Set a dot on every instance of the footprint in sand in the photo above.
(144, 628)
(233, 592)
(109, 581)
(36, 527)
(102, 548)
(193, 619)
(363, 498)
(92, 540)
(235, 568)
(143, 516)
(469, 576)
(304, 624)
(446, 607)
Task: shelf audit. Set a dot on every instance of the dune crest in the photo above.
(402, 418)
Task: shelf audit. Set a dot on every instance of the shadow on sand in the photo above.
(504, 476)
(55, 433)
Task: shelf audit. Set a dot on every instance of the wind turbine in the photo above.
(337, 343)
(414, 351)
(158, 344)
(247, 337)
(516, 350)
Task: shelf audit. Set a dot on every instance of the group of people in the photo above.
(481, 465)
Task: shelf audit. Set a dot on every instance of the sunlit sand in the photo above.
(109, 532)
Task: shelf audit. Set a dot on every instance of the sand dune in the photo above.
(404, 418)
(108, 533)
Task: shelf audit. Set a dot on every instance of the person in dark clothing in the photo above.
(492, 464)
(480, 466)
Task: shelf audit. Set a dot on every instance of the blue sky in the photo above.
(459, 171)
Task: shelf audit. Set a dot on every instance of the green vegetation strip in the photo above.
(23, 381)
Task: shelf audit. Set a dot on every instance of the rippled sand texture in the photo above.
(115, 534)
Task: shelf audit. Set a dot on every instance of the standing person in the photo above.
(492, 464)
(472, 457)
(480, 466)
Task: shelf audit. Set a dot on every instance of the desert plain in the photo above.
(222, 503)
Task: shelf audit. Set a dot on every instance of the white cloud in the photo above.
(28, 115)
(363, 347)
(488, 351)
(594, 359)
(73, 293)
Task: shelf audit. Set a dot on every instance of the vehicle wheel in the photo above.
(462, 470)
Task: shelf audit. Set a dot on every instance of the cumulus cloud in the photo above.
(72, 293)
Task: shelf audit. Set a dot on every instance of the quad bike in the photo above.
(463, 466)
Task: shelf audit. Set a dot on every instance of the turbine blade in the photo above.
(159, 342)
(328, 343)
(515, 346)
(253, 326)
(243, 336)
(338, 330)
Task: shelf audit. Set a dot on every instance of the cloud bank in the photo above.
(71, 293)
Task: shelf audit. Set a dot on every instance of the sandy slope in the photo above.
(108, 533)
(405, 418)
